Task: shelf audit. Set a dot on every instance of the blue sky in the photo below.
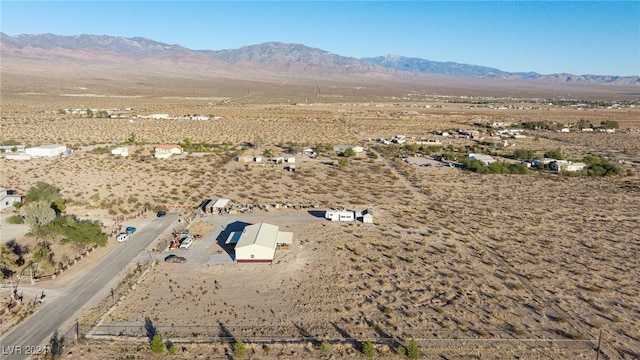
(579, 37)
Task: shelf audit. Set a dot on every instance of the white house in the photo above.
(165, 151)
(46, 150)
(170, 148)
(563, 165)
(8, 198)
(122, 151)
(484, 159)
(257, 243)
(339, 215)
(343, 148)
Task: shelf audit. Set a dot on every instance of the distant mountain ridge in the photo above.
(271, 57)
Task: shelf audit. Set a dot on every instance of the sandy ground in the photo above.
(452, 255)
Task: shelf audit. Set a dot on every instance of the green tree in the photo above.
(37, 215)
(88, 232)
(133, 138)
(554, 154)
(604, 168)
(609, 124)
(518, 169)
(584, 124)
(413, 351)
(523, 154)
(157, 346)
(43, 191)
(591, 160)
(239, 349)
(325, 348)
(368, 349)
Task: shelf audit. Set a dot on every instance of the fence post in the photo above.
(599, 341)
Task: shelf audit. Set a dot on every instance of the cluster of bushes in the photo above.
(493, 168)
(189, 146)
(598, 167)
(539, 125)
(72, 229)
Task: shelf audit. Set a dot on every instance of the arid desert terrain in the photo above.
(529, 266)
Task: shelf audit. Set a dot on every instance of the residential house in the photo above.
(165, 151)
(484, 159)
(343, 148)
(8, 198)
(563, 165)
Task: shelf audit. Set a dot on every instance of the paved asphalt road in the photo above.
(38, 329)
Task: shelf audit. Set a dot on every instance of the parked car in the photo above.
(122, 237)
(162, 213)
(186, 243)
(175, 259)
(131, 230)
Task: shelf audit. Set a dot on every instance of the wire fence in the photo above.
(335, 335)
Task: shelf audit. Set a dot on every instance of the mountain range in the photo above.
(271, 59)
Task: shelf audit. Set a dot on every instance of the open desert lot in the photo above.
(528, 266)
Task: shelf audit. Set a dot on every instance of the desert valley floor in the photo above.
(527, 266)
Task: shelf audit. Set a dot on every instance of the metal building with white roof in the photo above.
(257, 243)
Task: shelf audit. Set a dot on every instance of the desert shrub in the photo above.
(15, 219)
(325, 348)
(349, 152)
(157, 346)
(523, 154)
(368, 349)
(172, 349)
(413, 351)
(100, 150)
(401, 351)
(239, 349)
